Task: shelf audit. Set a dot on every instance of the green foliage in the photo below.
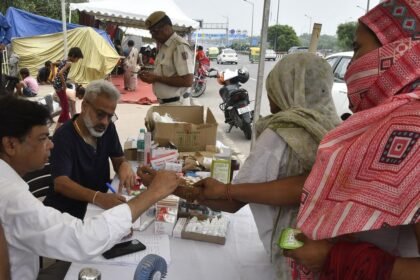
(282, 37)
(46, 8)
(326, 42)
(345, 35)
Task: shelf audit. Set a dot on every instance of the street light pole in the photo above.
(252, 20)
(310, 23)
(368, 4)
(360, 7)
(227, 30)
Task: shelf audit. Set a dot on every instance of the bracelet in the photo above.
(228, 192)
(94, 196)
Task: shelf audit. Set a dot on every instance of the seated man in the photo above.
(82, 147)
(30, 228)
(44, 74)
(28, 86)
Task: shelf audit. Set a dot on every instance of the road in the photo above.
(211, 99)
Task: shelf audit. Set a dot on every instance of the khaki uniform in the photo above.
(174, 58)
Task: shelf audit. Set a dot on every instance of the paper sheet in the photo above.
(155, 244)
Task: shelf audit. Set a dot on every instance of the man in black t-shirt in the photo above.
(82, 148)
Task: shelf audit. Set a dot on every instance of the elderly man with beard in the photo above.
(82, 147)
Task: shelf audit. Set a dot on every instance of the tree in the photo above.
(282, 37)
(345, 35)
(46, 8)
(326, 42)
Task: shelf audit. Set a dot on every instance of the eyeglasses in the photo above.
(100, 114)
(156, 28)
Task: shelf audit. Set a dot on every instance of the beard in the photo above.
(94, 130)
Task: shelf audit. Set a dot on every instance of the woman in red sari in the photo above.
(365, 184)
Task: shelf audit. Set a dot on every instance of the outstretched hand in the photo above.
(146, 174)
(164, 183)
(312, 254)
(211, 189)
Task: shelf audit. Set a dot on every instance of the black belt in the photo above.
(169, 100)
(173, 99)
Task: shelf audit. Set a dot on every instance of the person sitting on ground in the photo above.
(60, 81)
(82, 148)
(33, 230)
(299, 92)
(45, 74)
(28, 87)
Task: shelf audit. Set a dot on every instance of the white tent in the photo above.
(134, 13)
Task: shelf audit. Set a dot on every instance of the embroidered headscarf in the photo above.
(300, 85)
(367, 172)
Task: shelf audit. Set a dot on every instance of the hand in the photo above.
(127, 177)
(148, 77)
(146, 174)
(211, 189)
(164, 183)
(108, 200)
(312, 254)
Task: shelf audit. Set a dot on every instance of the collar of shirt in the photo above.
(170, 40)
(8, 173)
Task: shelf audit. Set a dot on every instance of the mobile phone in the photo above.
(124, 248)
(287, 239)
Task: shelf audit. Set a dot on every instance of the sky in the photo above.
(300, 14)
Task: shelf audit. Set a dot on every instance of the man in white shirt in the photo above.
(30, 228)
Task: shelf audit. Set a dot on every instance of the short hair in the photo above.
(18, 116)
(75, 52)
(101, 88)
(24, 72)
(130, 43)
(200, 48)
(80, 91)
(48, 63)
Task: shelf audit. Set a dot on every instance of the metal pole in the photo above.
(278, 9)
(368, 4)
(63, 15)
(261, 65)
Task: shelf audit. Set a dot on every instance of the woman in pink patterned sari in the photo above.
(365, 184)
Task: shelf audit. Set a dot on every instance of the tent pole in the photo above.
(69, 15)
(63, 15)
(261, 65)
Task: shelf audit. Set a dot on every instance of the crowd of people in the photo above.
(352, 188)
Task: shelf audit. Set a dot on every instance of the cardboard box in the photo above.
(197, 236)
(194, 133)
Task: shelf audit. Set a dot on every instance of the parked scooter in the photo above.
(235, 104)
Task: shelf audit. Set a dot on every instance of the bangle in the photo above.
(94, 196)
(228, 192)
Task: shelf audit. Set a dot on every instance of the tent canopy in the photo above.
(25, 24)
(99, 60)
(134, 13)
(4, 26)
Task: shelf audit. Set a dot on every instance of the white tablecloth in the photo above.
(242, 257)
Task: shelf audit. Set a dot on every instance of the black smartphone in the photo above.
(124, 248)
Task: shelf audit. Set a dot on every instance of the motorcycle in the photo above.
(200, 82)
(236, 102)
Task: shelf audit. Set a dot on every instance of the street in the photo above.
(211, 99)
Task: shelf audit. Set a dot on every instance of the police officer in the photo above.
(173, 73)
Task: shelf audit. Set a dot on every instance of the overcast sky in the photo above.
(330, 13)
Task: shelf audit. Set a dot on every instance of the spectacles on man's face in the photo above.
(155, 29)
(100, 114)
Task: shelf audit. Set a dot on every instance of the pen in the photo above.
(110, 187)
